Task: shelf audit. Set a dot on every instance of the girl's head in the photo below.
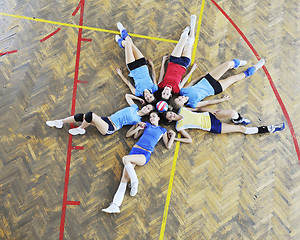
(154, 118)
(166, 93)
(170, 116)
(149, 97)
(147, 109)
(180, 101)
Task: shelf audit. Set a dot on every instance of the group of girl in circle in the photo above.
(156, 94)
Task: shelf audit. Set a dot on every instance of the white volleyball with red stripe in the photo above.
(162, 106)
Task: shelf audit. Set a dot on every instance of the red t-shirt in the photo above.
(173, 77)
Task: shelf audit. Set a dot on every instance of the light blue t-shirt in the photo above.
(197, 92)
(151, 135)
(126, 116)
(142, 80)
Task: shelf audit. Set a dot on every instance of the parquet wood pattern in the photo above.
(225, 187)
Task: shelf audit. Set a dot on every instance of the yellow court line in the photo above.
(85, 27)
(166, 209)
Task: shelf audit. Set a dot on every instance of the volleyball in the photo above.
(162, 106)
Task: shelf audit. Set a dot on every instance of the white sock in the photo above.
(251, 130)
(119, 195)
(132, 174)
(190, 41)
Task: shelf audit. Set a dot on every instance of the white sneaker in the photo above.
(134, 189)
(113, 208)
(117, 37)
(76, 131)
(193, 21)
(242, 63)
(120, 26)
(186, 30)
(55, 123)
(259, 64)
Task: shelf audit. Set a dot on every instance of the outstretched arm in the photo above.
(129, 98)
(169, 138)
(153, 75)
(162, 69)
(185, 137)
(200, 106)
(184, 80)
(136, 130)
(125, 80)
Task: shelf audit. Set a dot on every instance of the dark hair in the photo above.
(164, 119)
(154, 100)
(158, 96)
(173, 106)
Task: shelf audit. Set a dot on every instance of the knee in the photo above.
(125, 160)
(78, 117)
(229, 64)
(88, 117)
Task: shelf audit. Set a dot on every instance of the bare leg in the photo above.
(100, 124)
(225, 114)
(69, 120)
(177, 52)
(129, 56)
(231, 128)
(219, 71)
(225, 83)
(136, 52)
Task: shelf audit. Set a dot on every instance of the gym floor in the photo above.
(231, 186)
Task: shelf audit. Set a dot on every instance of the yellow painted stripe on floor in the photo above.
(85, 27)
(166, 209)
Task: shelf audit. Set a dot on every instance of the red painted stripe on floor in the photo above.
(73, 202)
(77, 147)
(9, 52)
(76, 10)
(50, 35)
(86, 39)
(286, 115)
(67, 174)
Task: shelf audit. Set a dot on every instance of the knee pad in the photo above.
(190, 41)
(88, 117)
(78, 117)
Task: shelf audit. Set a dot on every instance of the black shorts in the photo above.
(136, 64)
(214, 83)
(111, 128)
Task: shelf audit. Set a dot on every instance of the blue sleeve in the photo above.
(163, 130)
(148, 124)
(182, 91)
(154, 88)
(135, 106)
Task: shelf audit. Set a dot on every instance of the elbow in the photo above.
(190, 140)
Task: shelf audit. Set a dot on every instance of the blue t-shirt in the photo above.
(197, 92)
(151, 135)
(126, 116)
(142, 80)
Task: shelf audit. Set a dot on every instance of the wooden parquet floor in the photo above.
(225, 186)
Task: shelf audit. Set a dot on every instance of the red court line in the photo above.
(9, 52)
(50, 35)
(67, 174)
(77, 147)
(76, 10)
(86, 39)
(286, 115)
(73, 202)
